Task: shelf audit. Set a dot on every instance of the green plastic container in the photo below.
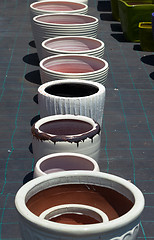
(132, 12)
(146, 36)
(115, 10)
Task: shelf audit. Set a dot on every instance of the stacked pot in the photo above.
(69, 198)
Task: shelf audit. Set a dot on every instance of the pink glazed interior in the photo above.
(58, 6)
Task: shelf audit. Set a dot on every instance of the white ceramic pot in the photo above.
(64, 162)
(76, 188)
(70, 66)
(59, 211)
(72, 45)
(57, 6)
(62, 24)
(82, 1)
(72, 96)
(66, 133)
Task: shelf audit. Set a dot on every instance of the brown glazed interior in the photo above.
(108, 200)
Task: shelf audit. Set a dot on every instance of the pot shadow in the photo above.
(148, 60)
(32, 44)
(116, 27)
(34, 119)
(119, 37)
(31, 59)
(34, 77)
(137, 47)
(35, 98)
(152, 75)
(106, 16)
(28, 177)
(104, 6)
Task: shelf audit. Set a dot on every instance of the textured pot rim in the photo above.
(101, 47)
(105, 68)
(42, 136)
(41, 89)
(53, 155)
(95, 20)
(41, 11)
(83, 230)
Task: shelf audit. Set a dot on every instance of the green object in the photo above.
(146, 36)
(115, 10)
(132, 12)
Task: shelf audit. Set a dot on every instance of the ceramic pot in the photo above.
(72, 96)
(72, 45)
(64, 162)
(146, 36)
(131, 13)
(153, 24)
(115, 10)
(100, 190)
(66, 133)
(82, 1)
(62, 24)
(74, 66)
(74, 214)
(57, 6)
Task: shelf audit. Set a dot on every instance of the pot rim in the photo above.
(33, 8)
(83, 230)
(95, 20)
(61, 56)
(40, 135)
(54, 155)
(102, 45)
(101, 87)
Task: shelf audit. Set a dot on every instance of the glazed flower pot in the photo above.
(115, 10)
(74, 66)
(146, 36)
(57, 6)
(119, 199)
(131, 13)
(66, 133)
(72, 45)
(64, 162)
(72, 96)
(62, 24)
(76, 214)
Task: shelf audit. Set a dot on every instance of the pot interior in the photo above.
(71, 90)
(74, 64)
(58, 6)
(65, 163)
(65, 127)
(111, 202)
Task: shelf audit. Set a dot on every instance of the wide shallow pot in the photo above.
(70, 66)
(132, 12)
(72, 45)
(57, 6)
(72, 96)
(66, 133)
(119, 199)
(146, 36)
(62, 24)
(57, 162)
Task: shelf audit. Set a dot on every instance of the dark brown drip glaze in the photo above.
(108, 200)
(76, 131)
(75, 219)
(71, 90)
